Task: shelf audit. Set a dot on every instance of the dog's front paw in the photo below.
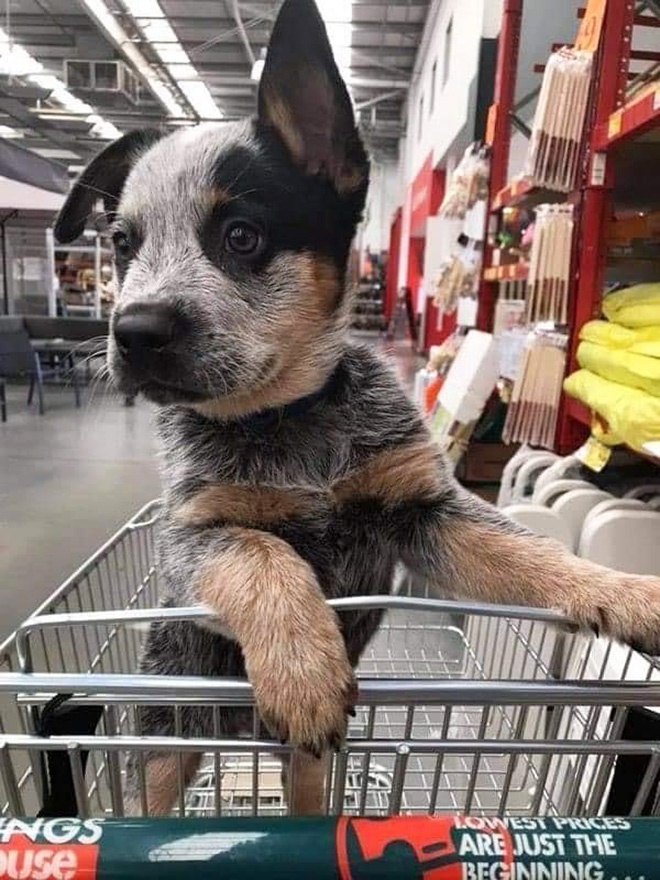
(305, 697)
(625, 607)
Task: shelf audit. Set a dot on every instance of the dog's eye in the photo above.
(121, 244)
(242, 239)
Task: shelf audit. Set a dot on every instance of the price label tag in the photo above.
(614, 127)
(598, 169)
(491, 123)
(588, 38)
(594, 454)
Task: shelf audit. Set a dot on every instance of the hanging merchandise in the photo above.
(534, 407)
(550, 264)
(468, 184)
(619, 375)
(553, 160)
(430, 380)
(459, 277)
(467, 387)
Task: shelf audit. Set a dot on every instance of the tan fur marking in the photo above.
(308, 334)
(280, 117)
(319, 275)
(215, 196)
(162, 779)
(395, 475)
(492, 566)
(295, 655)
(306, 785)
(249, 505)
(349, 179)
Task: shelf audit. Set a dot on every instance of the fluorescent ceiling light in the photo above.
(156, 28)
(171, 53)
(201, 99)
(146, 8)
(15, 60)
(158, 31)
(258, 69)
(164, 95)
(338, 17)
(49, 153)
(258, 66)
(182, 71)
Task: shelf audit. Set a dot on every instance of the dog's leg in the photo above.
(463, 544)
(161, 782)
(304, 778)
(471, 549)
(295, 656)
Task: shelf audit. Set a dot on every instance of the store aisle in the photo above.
(67, 481)
(70, 479)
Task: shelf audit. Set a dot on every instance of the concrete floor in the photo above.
(69, 479)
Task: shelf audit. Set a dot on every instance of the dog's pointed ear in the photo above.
(104, 179)
(303, 97)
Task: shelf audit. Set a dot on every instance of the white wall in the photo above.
(445, 122)
(446, 128)
(382, 202)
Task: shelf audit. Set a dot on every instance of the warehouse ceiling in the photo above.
(74, 73)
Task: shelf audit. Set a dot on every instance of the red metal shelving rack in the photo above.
(611, 122)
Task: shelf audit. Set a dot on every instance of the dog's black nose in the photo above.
(145, 328)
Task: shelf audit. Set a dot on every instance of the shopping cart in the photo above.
(463, 708)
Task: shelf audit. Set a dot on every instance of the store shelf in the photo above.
(512, 272)
(522, 193)
(631, 121)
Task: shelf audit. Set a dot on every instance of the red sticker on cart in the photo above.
(431, 848)
(57, 849)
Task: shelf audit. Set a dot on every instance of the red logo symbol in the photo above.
(426, 844)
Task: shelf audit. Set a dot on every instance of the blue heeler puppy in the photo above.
(294, 467)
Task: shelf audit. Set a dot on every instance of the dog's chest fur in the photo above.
(290, 474)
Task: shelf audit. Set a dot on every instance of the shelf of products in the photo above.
(606, 164)
(523, 192)
(637, 117)
(512, 272)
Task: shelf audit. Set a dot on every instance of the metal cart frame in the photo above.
(480, 709)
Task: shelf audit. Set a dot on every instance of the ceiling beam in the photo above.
(19, 112)
(235, 12)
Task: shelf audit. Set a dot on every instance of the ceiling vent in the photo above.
(106, 77)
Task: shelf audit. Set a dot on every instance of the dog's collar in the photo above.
(268, 418)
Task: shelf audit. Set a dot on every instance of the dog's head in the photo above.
(231, 240)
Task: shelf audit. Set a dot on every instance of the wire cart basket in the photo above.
(463, 708)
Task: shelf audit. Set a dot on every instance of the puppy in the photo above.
(294, 467)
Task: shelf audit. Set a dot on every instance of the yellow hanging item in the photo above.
(632, 416)
(637, 306)
(643, 340)
(633, 370)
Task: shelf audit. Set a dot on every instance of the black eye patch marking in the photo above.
(234, 237)
(261, 187)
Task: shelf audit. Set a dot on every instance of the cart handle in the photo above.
(37, 623)
(180, 689)
(340, 848)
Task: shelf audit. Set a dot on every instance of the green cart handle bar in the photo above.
(405, 848)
